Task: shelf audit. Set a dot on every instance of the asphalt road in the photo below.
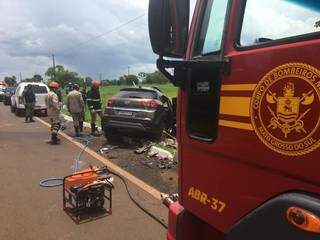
(28, 211)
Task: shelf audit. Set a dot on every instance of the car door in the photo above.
(41, 92)
(15, 97)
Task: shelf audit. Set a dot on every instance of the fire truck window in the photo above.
(211, 33)
(265, 21)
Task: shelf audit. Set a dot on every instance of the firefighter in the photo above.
(75, 106)
(94, 104)
(53, 108)
(29, 99)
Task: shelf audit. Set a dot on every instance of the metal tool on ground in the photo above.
(85, 192)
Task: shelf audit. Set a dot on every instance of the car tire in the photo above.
(45, 114)
(157, 133)
(12, 108)
(111, 134)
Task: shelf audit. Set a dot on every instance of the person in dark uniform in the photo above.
(84, 97)
(94, 104)
(29, 99)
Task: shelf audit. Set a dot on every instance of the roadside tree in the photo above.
(11, 81)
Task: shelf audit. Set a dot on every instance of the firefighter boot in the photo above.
(81, 126)
(93, 130)
(76, 130)
(54, 139)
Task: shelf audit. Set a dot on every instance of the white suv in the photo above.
(40, 90)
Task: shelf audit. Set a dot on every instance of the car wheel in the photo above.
(12, 108)
(111, 134)
(157, 133)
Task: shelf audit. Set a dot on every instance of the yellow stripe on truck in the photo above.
(238, 87)
(234, 124)
(235, 106)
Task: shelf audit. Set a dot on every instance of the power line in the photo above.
(103, 34)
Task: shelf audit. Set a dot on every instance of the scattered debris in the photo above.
(111, 147)
(106, 149)
(144, 148)
(169, 135)
(169, 143)
(147, 163)
(165, 164)
(160, 153)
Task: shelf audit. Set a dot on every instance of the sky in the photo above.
(31, 31)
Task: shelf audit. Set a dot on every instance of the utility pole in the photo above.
(100, 77)
(54, 68)
(128, 70)
(20, 77)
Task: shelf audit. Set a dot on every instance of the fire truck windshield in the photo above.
(212, 26)
(277, 19)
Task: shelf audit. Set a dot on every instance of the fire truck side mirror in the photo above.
(169, 26)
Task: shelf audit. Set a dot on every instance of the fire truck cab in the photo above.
(248, 116)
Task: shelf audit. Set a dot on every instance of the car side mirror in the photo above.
(169, 26)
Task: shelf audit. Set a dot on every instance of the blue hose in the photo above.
(47, 182)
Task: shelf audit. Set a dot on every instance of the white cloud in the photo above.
(30, 31)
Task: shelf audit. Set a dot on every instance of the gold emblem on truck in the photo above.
(287, 118)
(285, 109)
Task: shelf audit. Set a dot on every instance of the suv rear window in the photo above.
(39, 89)
(136, 94)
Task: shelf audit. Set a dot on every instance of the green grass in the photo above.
(107, 92)
(167, 148)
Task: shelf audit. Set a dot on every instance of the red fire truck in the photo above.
(248, 119)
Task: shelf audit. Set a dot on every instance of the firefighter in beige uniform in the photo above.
(53, 109)
(75, 106)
